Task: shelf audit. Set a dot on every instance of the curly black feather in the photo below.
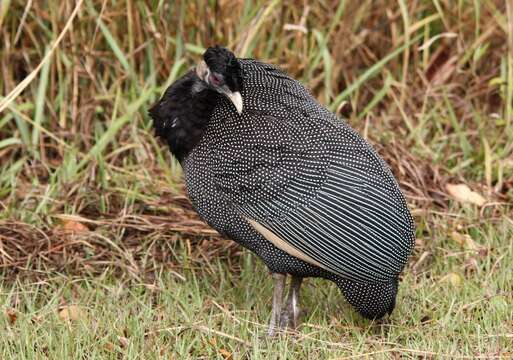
(182, 114)
(224, 62)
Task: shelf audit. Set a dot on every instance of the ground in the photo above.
(100, 252)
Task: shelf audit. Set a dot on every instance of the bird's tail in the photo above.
(371, 300)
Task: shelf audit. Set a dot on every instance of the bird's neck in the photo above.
(182, 116)
(190, 127)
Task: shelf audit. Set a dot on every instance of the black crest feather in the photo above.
(223, 61)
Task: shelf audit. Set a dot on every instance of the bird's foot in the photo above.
(290, 316)
(272, 331)
(287, 317)
(279, 286)
(286, 321)
(280, 326)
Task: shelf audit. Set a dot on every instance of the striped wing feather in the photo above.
(310, 182)
(350, 230)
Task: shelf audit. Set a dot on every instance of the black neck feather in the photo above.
(182, 115)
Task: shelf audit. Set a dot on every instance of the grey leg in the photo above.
(290, 315)
(279, 286)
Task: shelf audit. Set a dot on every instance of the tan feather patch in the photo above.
(283, 245)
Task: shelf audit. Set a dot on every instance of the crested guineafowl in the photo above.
(269, 167)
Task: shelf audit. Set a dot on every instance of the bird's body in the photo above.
(291, 182)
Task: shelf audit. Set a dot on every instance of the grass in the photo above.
(222, 309)
(93, 220)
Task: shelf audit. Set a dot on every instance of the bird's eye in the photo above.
(215, 79)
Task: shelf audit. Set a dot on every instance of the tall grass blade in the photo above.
(40, 102)
(113, 129)
(371, 72)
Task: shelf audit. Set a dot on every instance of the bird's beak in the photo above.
(236, 99)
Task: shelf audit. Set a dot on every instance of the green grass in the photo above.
(200, 311)
(429, 83)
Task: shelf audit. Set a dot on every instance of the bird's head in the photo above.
(221, 71)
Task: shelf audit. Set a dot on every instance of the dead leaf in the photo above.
(109, 346)
(471, 265)
(441, 66)
(462, 193)
(294, 27)
(226, 354)
(465, 241)
(166, 353)
(11, 315)
(74, 227)
(123, 341)
(445, 71)
(72, 313)
(452, 278)
(425, 319)
(37, 319)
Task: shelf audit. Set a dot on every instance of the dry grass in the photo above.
(436, 107)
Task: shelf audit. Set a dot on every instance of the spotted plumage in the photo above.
(288, 180)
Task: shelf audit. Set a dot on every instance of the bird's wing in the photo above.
(310, 184)
(324, 199)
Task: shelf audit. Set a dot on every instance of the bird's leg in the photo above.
(279, 286)
(290, 315)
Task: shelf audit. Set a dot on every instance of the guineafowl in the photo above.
(269, 167)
